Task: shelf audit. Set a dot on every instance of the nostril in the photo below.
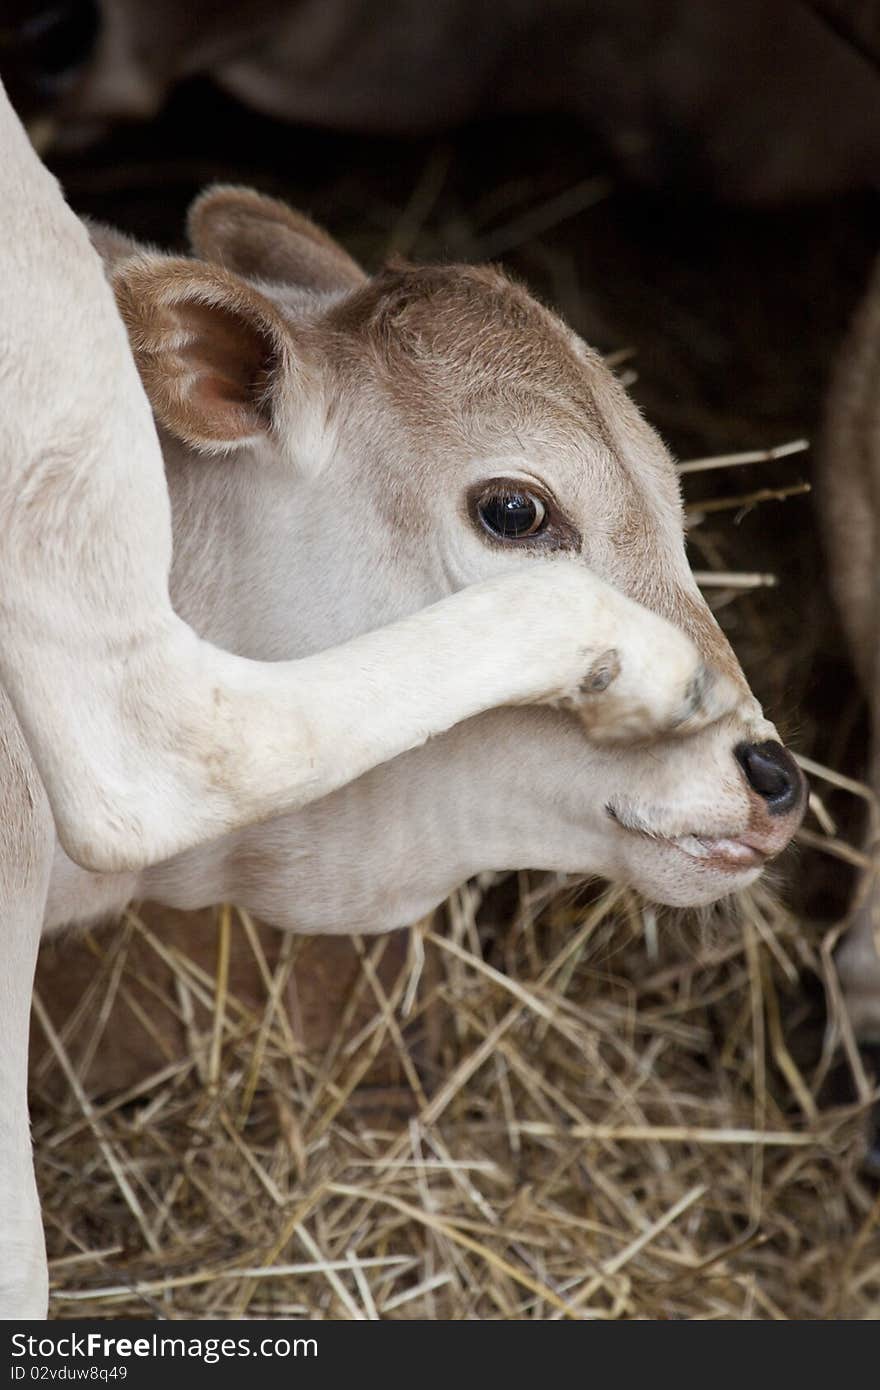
(772, 772)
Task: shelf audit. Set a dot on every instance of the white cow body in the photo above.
(335, 722)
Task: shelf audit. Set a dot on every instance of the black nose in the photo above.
(772, 772)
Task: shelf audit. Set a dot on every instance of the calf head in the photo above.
(343, 450)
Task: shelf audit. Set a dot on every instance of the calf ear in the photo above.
(216, 358)
(112, 246)
(263, 239)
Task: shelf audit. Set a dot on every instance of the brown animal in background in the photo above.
(758, 99)
(850, 514)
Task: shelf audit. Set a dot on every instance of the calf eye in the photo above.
(511, 513)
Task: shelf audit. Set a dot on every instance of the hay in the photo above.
(555, 1102)
(610, 1122)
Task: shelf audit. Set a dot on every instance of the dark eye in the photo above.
(511, 513)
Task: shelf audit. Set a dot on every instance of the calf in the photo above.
(429, 450)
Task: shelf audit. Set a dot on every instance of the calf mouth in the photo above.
(736, 853)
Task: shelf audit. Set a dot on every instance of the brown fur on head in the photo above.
(470, 334)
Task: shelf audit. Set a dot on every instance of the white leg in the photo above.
(26, 846)
(209, 742)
